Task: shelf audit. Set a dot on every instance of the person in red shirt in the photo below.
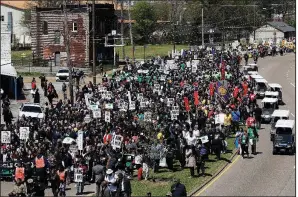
(245, 88)
(250, 121)
(107, 137)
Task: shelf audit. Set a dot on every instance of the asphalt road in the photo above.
(264, 174)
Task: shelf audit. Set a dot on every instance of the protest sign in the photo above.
(116, 141)
(93, 107)
(87, 118)
(147, 116)
(80, 140)
(107, 116)
(96, 113)
(109, 106)
(24, 133)
(78, 175)
(5, 137)
(204, 139)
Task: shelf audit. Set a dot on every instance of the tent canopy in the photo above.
(8, 70)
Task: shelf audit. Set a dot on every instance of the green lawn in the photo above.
(150, 51)
(141, 188)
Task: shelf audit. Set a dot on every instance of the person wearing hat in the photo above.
(37, 96)
(178, 189)
(110, 183)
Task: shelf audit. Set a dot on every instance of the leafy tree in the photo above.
(145, 16)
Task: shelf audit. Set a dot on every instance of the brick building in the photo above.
(47, 32)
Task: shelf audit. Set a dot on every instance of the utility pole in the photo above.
(202, 27)
(130, 32)
(254, 23)
(122, 29)
(93, 42)
(69, 65)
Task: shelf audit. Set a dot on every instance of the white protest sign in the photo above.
(175, 110)
(174, 117)
(147, 116)
(194, 68)
(162, 78)
(87, 100)
(132, 105)
(173, 67)
(78, 175)
(107, 116)
(188, 64)
(140, 96)
(80, 140)
(142, 104)
(129, 96)
(96, 113)
(170, 101)
(109, 106)
(24, 133)
(204, 139)
(5, 137)
(219, 118)
(116, 141)
(87, 118)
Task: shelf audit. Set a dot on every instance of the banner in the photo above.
(5, 137)
(24, 133)
(186, 102)
(196, 98)
(222, 92)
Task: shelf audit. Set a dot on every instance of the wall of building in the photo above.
(19, 32)
(266, 32)
(45, 46)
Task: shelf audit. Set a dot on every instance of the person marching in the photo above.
(62, 180)
(19, 172)
(244, 144)
(253, 137)
(41, 164)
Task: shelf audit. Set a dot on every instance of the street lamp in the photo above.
(211, 31)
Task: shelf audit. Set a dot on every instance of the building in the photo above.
(12, 13)
(47, 30)
(275, 30)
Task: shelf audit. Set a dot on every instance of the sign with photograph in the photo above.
(5, 137)
(24, 133)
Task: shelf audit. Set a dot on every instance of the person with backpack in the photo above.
(253, 137)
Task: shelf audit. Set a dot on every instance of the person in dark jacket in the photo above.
(258, 116)
(124, 186)
(37, 97)
(178, 189)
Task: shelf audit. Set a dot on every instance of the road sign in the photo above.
(114, 32)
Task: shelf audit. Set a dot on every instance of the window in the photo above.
(74, 26)
(31, 109)
(45, 28)
(57, 37)
(2, 18)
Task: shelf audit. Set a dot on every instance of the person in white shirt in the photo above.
(196, 131)
(191, 139)
(111, 183)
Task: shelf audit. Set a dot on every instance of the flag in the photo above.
(211, 89)
(196, 97)
(222, 92)
(186, 102)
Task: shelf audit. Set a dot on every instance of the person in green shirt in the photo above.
(244, 144)
(253, 137)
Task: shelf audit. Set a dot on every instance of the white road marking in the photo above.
(293, 115)
(292, 84)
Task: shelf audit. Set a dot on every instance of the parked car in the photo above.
(62, 75)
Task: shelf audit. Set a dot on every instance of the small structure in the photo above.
(48, 39)
(275, 30)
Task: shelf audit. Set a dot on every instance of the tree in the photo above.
(145, 20)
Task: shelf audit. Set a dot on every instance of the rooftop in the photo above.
(282, 26)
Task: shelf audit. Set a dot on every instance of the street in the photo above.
(265, 174)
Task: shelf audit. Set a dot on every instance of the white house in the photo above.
(11, 16)
(274, 30)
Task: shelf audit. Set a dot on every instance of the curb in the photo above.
(215, 175)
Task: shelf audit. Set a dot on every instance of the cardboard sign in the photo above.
(5, 137)
(96, 113)
(173, 67)
(80, 140)
(196, 98)
(188, 64)
(116, 141)
(186, 102)
(147, 116)
(132, 105)
(107, 116)
(204, 139)
(24, 133)
(170, 101)
(78, 175)
(109, 106)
